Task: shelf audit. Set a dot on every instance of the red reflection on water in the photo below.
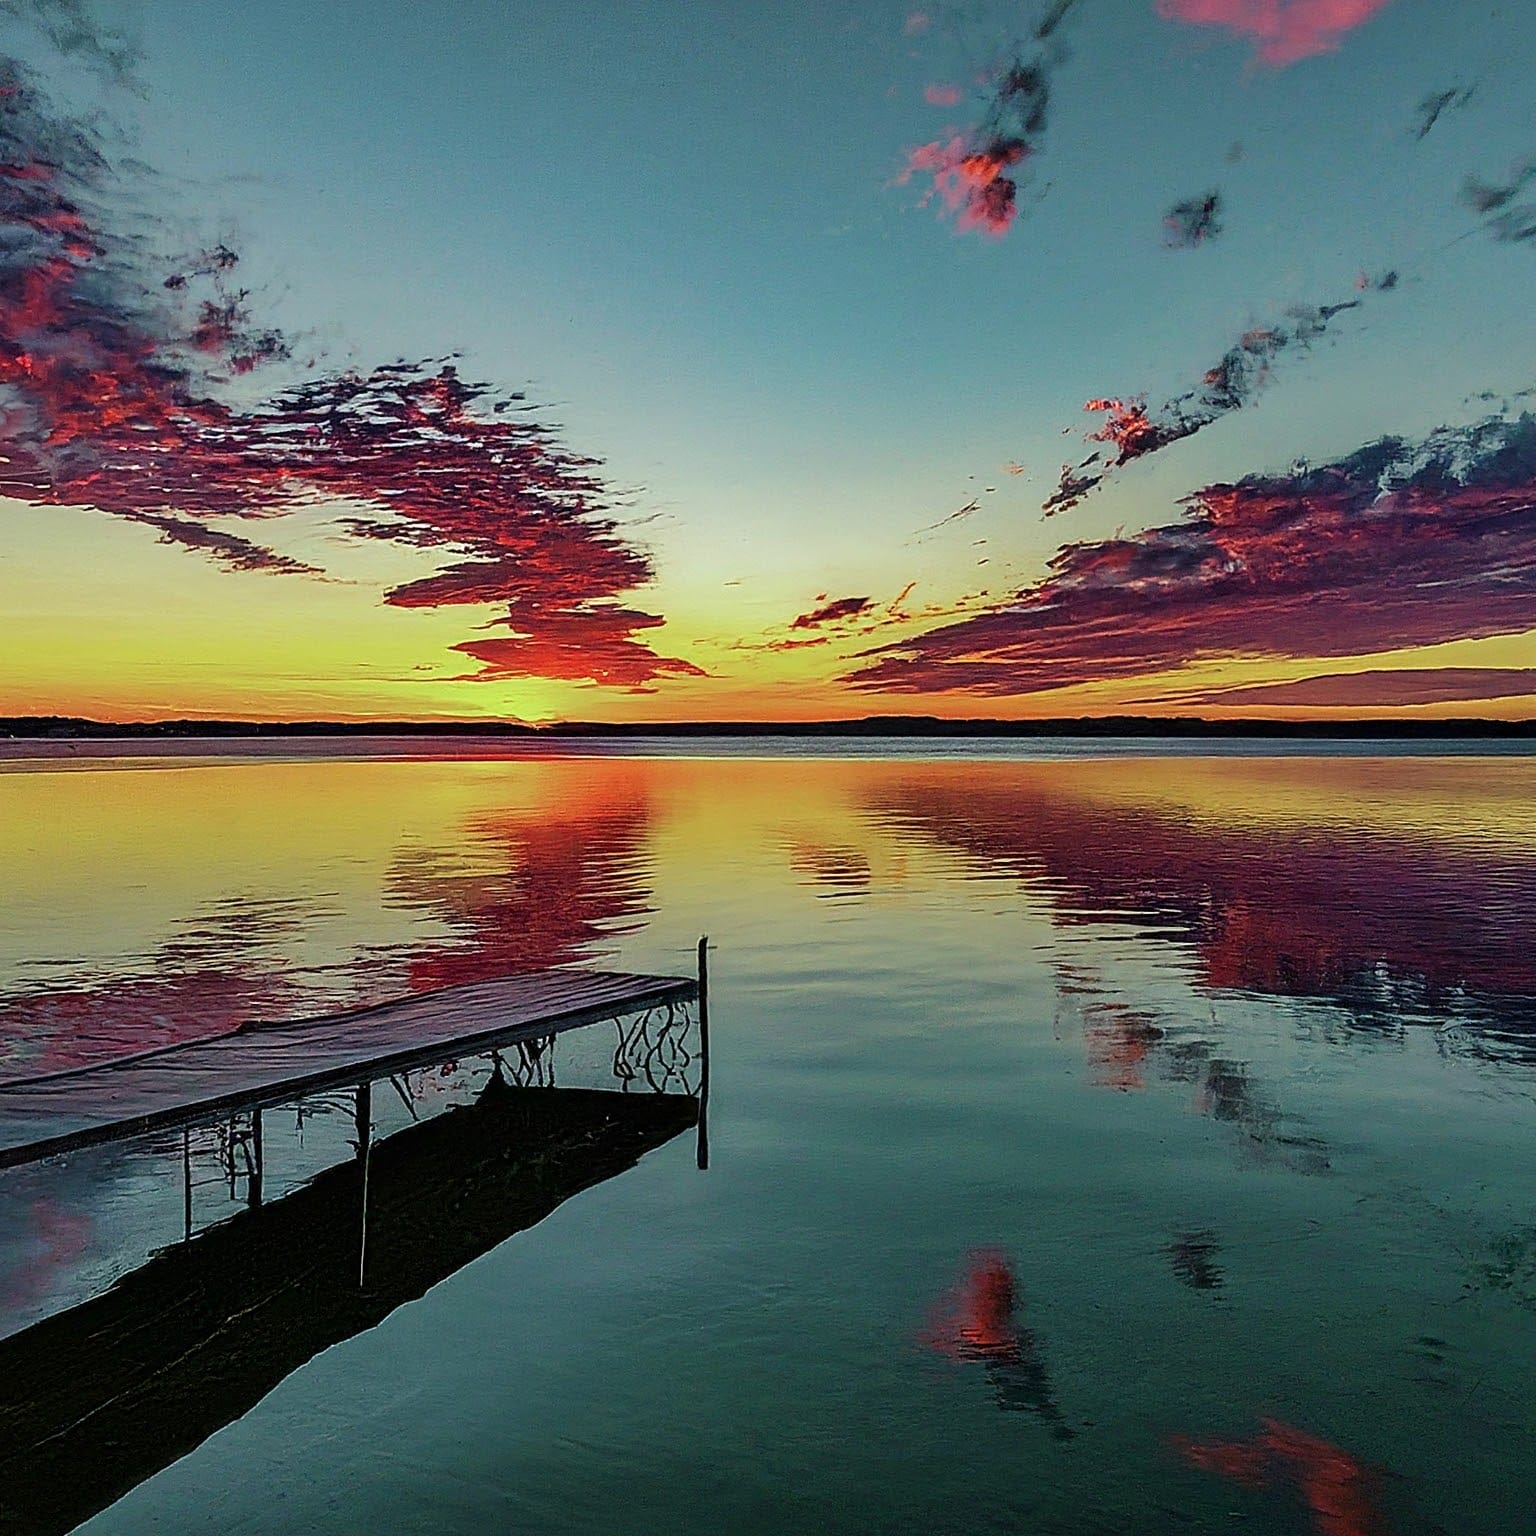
(513, 891)
(56, 1030)
(1119, 1040)
(1341, 1491)
(976, 1322)
(57, 1236)
(555, 887)
(1328, 912)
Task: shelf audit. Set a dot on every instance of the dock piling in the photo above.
(364, 1143)
(186, 1184)
(703, 1139)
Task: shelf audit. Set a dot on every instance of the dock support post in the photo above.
(364, 1142)
(253, 1182)
(186, 1184)
(703, 1141)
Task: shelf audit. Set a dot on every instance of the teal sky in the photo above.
(674, 224)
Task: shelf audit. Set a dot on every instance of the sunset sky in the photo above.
(805, 303)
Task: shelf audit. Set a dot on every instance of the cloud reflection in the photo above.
(1342, 1492)
(1391, 929)
(511, 889)
(976, 1322)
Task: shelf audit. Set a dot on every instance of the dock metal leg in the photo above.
(703, 1141)
(364, 1144)
(186, 1184)
(253, 1182)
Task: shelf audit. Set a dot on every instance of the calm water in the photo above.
(1099, 1144)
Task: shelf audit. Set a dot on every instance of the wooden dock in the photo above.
(261, 1064)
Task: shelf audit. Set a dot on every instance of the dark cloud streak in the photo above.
(1401, 544)
(1192, 222)
(838, 611)
(1504, 218)
(1375, 688)
(1437, 104)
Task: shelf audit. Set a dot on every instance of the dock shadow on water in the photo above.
(100, 1397)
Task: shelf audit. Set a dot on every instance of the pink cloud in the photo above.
(976, 174)
(971, 180)
(941, 95)
(1283, 30)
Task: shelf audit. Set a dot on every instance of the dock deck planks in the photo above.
(273, 1063)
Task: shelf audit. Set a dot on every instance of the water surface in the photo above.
(1099, 1143)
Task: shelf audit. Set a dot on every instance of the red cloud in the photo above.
(1379, 687)
(113, 395)
(1283, 30)
(593, 643)
(1399, 545)
(975, 174)
(941, 95)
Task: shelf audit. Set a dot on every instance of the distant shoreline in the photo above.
(73, 728)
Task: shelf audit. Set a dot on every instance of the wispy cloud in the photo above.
(1132, 429)
(975, 174)
(1378, 687)
(1495, 202)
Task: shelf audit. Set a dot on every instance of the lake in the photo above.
(1101, 1140)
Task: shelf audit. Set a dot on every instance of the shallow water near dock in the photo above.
(1098, 1143)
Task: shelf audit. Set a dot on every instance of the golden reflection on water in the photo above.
(146, 904)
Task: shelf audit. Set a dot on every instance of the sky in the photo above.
(657, 360)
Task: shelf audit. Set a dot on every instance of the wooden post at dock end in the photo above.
(253, 1181)
(703, 1142)
(364, 1142)
(186, 1184)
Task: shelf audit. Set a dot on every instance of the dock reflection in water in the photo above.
(99, 1397)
